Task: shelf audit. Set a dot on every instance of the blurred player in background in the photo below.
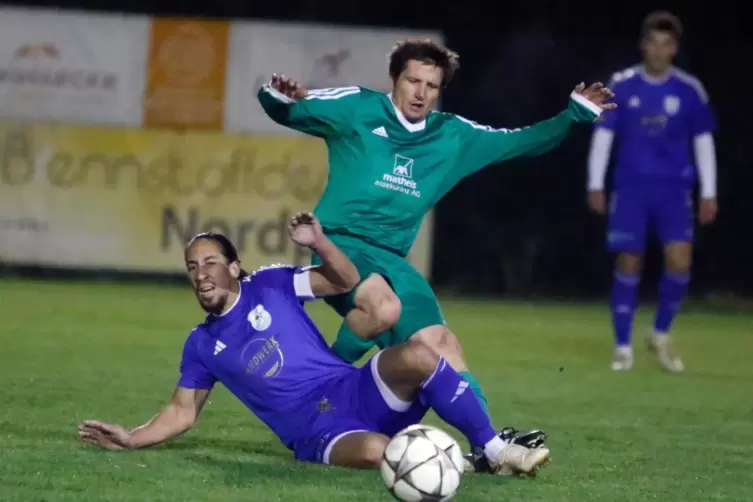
(663, 115)
(392, 157)
(260, 343)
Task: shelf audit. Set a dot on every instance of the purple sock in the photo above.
(672, 290)
(451, 398)
(624, 301)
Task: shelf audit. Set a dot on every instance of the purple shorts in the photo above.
(357, 402)
(668, 211)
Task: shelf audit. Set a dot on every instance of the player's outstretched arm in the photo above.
(319, 112)
(175, 419)
(337, 274)
(598, 162)
(483, 145)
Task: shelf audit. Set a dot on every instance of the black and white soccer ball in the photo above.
(422, 463)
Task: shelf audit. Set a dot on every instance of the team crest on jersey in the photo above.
(259, 318)
(671, 105)
(403, 167)
(634, 102)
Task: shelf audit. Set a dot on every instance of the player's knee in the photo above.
(387, 313)
(379, 301)
(420, 358)
(629, 263)
(373, 451)
(678, 267)
(360, 450)
(438, 338)
(678, 258)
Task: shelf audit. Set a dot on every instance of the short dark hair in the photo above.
(662, 20)
(227, 248)
(426, 51)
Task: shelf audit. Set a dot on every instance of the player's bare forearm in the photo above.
(175, 419)
(336, 274)
(172, 421)
(336, 269)
(165, 425)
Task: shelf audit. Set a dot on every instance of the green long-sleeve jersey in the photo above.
(386, 173)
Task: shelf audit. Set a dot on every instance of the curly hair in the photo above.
(426, 51)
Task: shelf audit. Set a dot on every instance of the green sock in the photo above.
(348, 346)
(476, 389)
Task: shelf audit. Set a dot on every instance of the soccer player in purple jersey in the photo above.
(663, 113)
(258, 341)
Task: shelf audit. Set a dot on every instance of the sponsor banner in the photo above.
(186, 74)
(82, 197)
(72, 67)
(319, 56)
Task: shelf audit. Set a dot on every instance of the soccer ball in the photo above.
(422, 463)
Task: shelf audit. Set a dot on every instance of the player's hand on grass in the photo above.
(707, 211)
(597, 202)
(597, 94)
(108, 436)
(288, 86)
(305, 230)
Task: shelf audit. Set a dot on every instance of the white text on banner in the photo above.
(72, 67)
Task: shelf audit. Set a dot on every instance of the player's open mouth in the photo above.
(416, 107)
(206, 288)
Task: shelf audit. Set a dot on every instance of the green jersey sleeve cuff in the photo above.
(582, 109)
(275, 94)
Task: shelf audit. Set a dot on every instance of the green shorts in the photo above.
(420, 307)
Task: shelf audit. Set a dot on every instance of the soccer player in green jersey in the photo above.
(392, 157)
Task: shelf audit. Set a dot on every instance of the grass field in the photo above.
(72, 351)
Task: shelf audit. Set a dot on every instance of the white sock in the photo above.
(625, 350)
(493, 448)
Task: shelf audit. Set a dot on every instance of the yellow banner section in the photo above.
(129, 199)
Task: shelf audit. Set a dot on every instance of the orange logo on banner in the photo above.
(31, 51)
(186, 78)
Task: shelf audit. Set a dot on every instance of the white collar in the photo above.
(652, 79)
(411, 126)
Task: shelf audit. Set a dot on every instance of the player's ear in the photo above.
(675, 47)
(642, 41)
(188, 271)
(235, 269)
(393, 81)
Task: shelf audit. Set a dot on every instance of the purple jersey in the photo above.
(654, 125)
(268, 353)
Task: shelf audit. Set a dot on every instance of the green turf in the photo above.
(75, 351)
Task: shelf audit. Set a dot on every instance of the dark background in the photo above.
(524, 226)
